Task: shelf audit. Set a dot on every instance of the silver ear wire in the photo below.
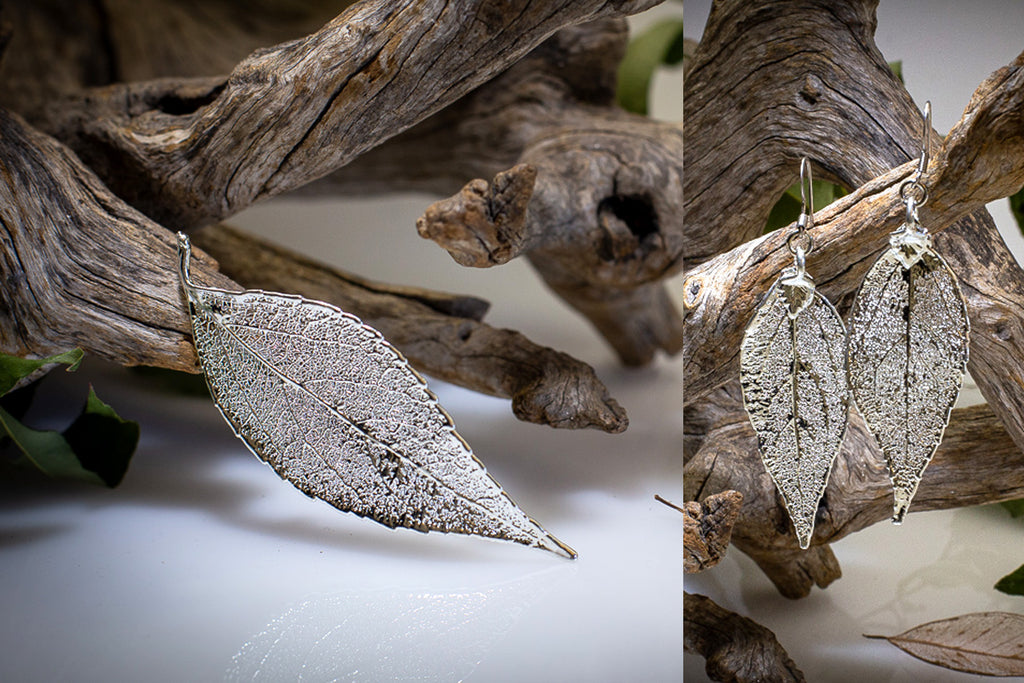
(801, 239)
(925, 133)
(806, 220)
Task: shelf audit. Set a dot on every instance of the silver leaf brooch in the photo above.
(336, 410)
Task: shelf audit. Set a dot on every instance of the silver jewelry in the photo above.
(908, 344)
(794, 378)
(336, 410)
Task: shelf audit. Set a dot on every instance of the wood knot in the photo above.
(811, 90)
(693, 288)
(1002, 330)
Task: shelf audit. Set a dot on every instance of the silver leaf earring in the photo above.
(908, 344)
(794, 379)
(336, 410)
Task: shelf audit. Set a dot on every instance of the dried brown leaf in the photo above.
(986, 643)
(707, 528)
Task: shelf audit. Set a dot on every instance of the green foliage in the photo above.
(660, 45)
(1017, 208)
(14, 369)
(95, 448)
(1014, 507)
(1012, 583)
(787, 209)
(897, 68)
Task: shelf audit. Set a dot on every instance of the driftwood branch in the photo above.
(399, 61)
(707, 528)
(601, 225)
(84, 269)
(608, 181)
(81, 267)
(441, 335)
(736, 648)
(827, 93)
(977, 463)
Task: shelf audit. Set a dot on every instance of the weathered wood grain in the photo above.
(789, 79)
(292, 113)
(82, 268)
(736, 648)
(609, 182)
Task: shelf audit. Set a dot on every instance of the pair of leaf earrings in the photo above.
(903, 361)
(334, 408)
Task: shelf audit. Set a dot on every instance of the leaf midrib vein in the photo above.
(330, 409)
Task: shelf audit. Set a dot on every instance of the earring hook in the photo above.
(806, 194)
(925, 133)
(912, 191)
(806, 220)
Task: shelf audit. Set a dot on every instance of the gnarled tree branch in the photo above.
(805, 79)
(84, 269)
(554, 109)
(441, 335)
(977, 463)
(306, 107)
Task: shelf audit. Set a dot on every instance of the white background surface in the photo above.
(204, 566)
(938, 564)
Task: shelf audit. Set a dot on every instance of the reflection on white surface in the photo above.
(202, 547)
(936, 565)
(383, 636)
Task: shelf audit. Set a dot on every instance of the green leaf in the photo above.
(14, 369)
(47, 450)
(1014, 507)
(102, 440)
(1017, 208)
(96, 447)
(1012, 583)
(897, 68)
(660, 44)
(675, 53)
(787, 209)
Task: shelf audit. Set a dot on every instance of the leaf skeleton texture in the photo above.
(335, 409)
(794, 380)
(987, 643)
(908, 354)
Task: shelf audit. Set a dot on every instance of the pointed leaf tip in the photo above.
(909, 333)
(794, 382)
(335, 409)
(986, 643)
